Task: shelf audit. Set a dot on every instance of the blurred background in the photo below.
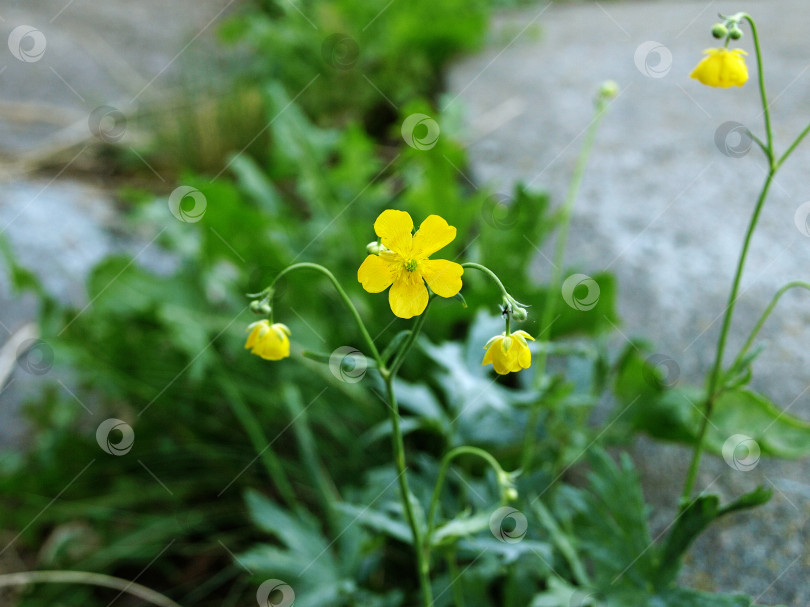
(161, 160)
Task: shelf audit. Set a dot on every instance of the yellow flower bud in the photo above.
(508, 353)
(722, 68)
(271, 342)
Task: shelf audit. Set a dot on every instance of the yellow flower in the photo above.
(404, 266)
(722, 68)
(271, 342)
(508, 354)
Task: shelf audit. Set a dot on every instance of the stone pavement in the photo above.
(68, 70)
(665, 207)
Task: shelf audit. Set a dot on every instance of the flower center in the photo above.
(410, 265)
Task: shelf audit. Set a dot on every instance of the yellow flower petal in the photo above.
(408, 296)
(434, 233)
(722, 68)
(442, 276)
(488, 355)
(394, 229)
(524, 356)
(508, 353)
(376, 274)
(271, 342)
(254, 328)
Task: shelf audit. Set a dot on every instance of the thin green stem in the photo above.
(422, 562)
(455, 578)
(762, 93)
(556, 273)
(792, 147)
(791, 285)
(445, 466)
(259, 440)
(712, 387)
(86, 577)
(360, 324)
(409, 341)
(488, 272)
(711, 392)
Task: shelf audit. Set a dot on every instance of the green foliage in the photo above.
(223, 437)
(609, 539)
(350, 59)
(675, 413)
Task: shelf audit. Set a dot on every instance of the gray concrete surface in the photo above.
(75, 56)
(118, 54)
(666, 211)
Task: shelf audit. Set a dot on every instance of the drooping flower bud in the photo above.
(719, 31)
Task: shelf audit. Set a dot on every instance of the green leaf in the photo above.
(321, 357)
(607, 524)
(691, 522)
(394, 345)
(576, 317)
(745, 412)
(647, 405)
(462, 525)
(21, 279)
(255, 183)
(379, 521)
